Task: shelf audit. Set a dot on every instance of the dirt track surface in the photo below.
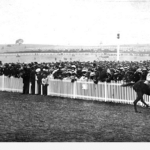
(33, 118)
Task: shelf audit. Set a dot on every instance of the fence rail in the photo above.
(107, 92)
(11, 84)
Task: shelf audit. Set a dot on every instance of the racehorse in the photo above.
(141, 88)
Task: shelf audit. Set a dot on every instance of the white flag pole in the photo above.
(118, 46)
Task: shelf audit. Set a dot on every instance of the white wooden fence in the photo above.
(107, 92)
(11, 84)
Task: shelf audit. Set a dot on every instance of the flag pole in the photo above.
(118, 46)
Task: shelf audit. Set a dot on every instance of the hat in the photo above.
(138, 70)
(38, 70)
(92, 74)
(84, 70)
(121, 68)
(73, 66)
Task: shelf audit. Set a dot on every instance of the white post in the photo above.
(3, 82)
(41, 89)
(36, 90)
(48, 87)
(118, 46)
(74, 89)
(105, 91)
(29, 87)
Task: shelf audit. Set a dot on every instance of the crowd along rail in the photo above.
(87, 90)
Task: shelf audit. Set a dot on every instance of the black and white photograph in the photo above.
(74, 71)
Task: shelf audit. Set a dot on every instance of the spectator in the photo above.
(32, 80)
(73, 71)
(39, 80)
(26, 77)
(44, 84)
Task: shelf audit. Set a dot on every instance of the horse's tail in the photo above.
(127, 84)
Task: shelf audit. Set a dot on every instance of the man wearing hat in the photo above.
(44, 84)
(26, 77)
(32, 80)
(39, 80)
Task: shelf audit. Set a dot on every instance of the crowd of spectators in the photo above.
(30, 72)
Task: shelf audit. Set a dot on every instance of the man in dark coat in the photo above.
(32, 80)
(26, 78)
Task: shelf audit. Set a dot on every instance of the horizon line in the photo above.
(77, 45)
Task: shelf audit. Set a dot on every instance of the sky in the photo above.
(75, 22)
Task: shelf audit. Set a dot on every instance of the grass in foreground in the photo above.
(32, 118)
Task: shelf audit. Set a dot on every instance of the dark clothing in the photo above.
(7, 71)
(26, 79)
(33, 87)
(44, 84)
(39, 82)
(32, 80)
(45, 89)
(26, 88)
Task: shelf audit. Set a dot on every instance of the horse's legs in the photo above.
(142, 100)
(139, 96)
(135, 102)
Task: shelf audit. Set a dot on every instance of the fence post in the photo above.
(74, 89)
(48, 87)
(11, 84)
(105, 91)
(41, 89)
(36, 90)
(29, 87)
(3, 82)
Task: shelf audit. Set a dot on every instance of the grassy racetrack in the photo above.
(33, 118)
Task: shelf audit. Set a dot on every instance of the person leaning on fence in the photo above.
(44, 84)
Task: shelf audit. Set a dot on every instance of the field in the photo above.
(34, 118)
(44, 57)
(13, 53)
